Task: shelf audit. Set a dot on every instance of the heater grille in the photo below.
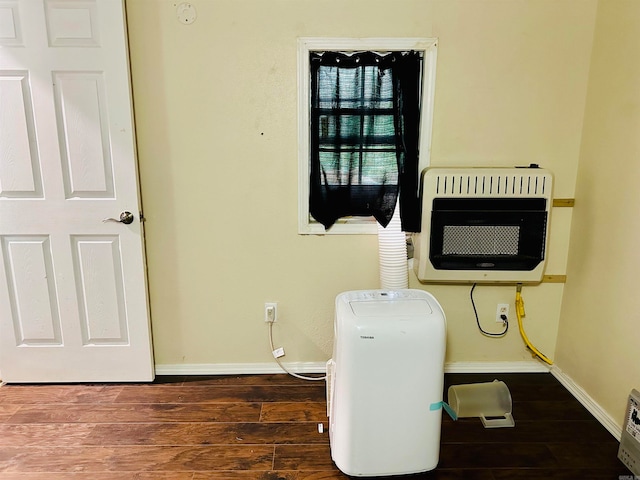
(490, 185)
(480, 240)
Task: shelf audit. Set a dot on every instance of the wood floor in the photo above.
(266, 427)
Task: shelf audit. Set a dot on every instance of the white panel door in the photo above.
(73, 296)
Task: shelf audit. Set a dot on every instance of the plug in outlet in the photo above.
(270, 312)
(503, 309)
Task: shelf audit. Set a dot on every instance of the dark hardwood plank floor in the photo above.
(266, 427)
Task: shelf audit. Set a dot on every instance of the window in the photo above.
(347, 130)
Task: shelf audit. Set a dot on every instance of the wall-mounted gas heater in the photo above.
(483, 225)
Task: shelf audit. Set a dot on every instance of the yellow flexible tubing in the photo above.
(520, 313)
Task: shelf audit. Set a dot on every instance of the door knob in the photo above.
(125, 217)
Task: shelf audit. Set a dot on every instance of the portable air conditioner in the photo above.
(385, 382)
(483, 225)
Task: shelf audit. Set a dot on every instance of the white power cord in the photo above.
(324, 377)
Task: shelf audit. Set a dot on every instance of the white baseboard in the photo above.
(320, 367)
(238, 368)
(496, 367)
(589, 403)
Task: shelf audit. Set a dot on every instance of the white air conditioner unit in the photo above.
(385, 382)
(483, 225)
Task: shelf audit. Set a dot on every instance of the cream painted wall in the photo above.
(597, 342)
(215, 106)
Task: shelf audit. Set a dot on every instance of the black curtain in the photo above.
(365, 120)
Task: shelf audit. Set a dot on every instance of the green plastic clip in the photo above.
(447, 408)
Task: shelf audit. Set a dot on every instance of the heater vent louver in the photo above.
(490, 185)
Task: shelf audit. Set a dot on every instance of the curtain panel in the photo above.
(365, 121)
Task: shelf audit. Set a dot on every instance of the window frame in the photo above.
(428, 47)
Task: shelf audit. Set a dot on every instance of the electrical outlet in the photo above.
(502, 309)
(270, 312)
